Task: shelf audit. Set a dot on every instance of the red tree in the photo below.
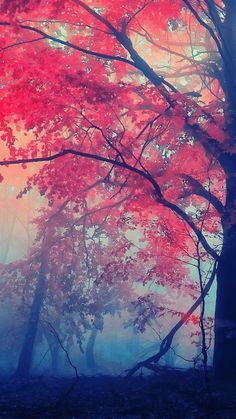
(138, 100)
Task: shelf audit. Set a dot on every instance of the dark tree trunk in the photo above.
(26, 355)
(225, 315)
(224, 360)
(90, 360)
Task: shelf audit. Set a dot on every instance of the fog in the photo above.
(114, 351)
(92, 336)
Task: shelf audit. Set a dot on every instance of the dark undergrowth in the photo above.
(170, 394)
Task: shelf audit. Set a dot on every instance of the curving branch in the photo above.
(198, 189)
(220, 42)
(213, 12)
(58, 339)
(68, 44)
(16, 44)
(167, 341)
(206, 26)
(140, 63)
(133, 169)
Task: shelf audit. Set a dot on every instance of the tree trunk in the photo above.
(90, 349)
(225, 315)
(224, 359)
(26, 355)
(228, 35)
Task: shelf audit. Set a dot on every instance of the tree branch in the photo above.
(57, 337)
(16, 44)
(71, 45)
(167, 341)
(159, 196)
(141, 64)
(206, 26)
(198, 189)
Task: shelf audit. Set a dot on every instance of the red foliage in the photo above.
(91, 80)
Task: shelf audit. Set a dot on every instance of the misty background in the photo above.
(112, 343)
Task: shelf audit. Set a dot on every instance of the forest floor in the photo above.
(170, 394)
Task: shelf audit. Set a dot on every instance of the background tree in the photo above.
(66, 279)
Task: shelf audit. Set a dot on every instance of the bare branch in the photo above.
(167, 341)
(16, 44)
(206, 26)
(55, 334)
